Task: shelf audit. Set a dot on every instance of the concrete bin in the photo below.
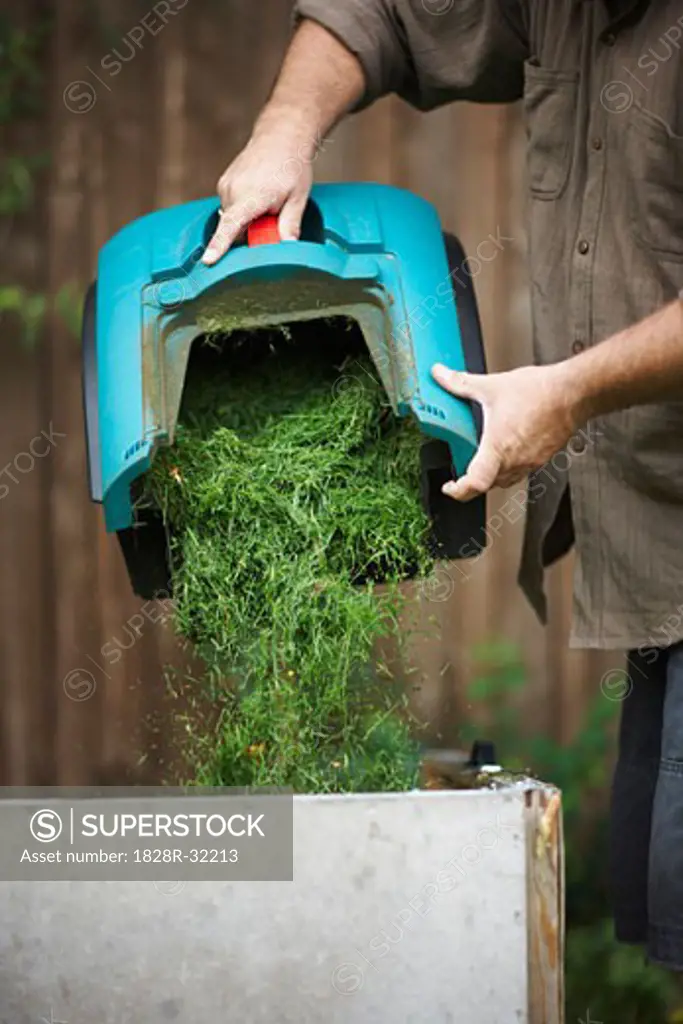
(411, 908)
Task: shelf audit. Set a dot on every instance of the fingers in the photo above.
(463, 385)
(291, 216)
(232, 223)
(485, 466)
(236, 217)
(481, 476)
(270, 175)
(234, 220)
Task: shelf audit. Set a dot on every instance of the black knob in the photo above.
(483, 752)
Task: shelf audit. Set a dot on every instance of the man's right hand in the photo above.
(320, 81)
(273, 174)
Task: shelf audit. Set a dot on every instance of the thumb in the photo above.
(480, 477)
(291, 216)
(462, 385)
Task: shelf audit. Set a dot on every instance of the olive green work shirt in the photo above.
(602, 92)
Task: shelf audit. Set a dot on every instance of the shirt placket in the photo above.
(585, 466)
(587, 237)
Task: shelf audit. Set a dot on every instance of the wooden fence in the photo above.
(157, 132)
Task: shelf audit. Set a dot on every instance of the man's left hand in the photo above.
(529, 415)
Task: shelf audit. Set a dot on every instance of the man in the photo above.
(601, 84)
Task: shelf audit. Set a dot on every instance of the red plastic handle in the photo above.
(264, 230)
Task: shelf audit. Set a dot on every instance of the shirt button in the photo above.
(597, 143)
(583, 246)
(577, 347)
(577, 445)
(610, 39)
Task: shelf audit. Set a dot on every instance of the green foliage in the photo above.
(20, 96)
(290, 485)
(20, 72)
(610, 979)
(21, 82)
(614, 980)
(17, 176)
(69, 302)
(31, 308)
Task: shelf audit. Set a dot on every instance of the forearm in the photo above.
(640, 365)
(320, 81)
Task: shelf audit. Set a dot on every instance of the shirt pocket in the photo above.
(550, 103)
(655, 159)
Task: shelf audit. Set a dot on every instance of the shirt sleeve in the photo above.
(430, 52)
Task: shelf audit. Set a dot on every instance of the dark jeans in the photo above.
(647, 808)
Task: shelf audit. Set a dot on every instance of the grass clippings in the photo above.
(290, 489)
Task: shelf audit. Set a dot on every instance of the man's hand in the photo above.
(529, 415)
(273, 174)
(320, 81)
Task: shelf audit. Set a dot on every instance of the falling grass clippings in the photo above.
(290, 490)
